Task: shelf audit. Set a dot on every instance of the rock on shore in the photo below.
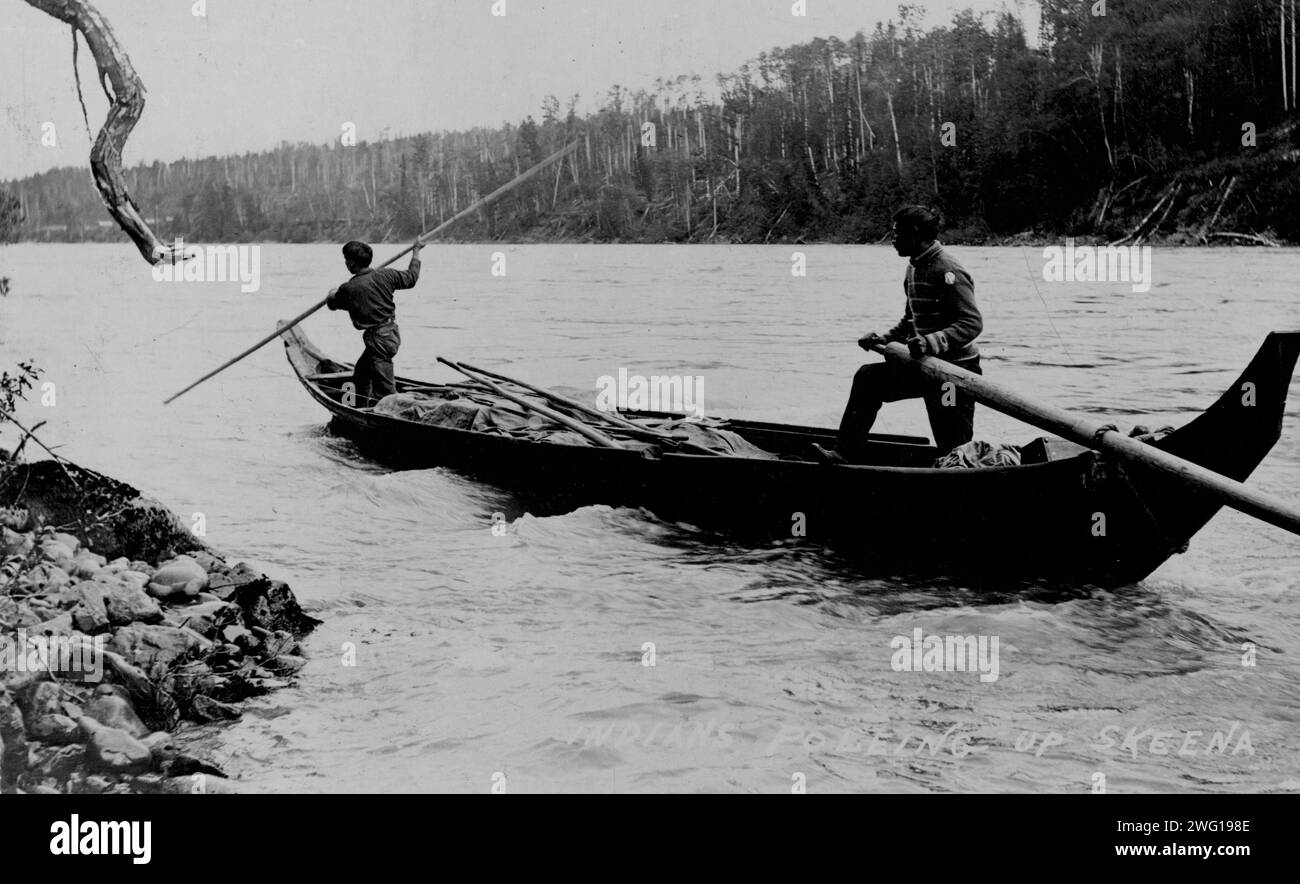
(117, 627)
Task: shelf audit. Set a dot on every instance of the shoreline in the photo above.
(119, 629)
(1180, 239)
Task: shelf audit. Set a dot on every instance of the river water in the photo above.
(521, 661)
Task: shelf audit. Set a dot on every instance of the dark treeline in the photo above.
(1141, 119)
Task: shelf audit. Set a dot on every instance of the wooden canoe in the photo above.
(1066, 514)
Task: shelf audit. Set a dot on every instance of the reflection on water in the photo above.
(525, 655)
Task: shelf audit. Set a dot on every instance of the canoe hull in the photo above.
(1081, 519)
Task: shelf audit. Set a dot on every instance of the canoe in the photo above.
(1065, 515)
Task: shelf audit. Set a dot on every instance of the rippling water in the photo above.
(523, 657)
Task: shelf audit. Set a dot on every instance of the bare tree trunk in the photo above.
(1281, 32)
(893, 121)
(1214, 219)
(1095, 57)
(929, 87)
(862, 120)
(1121, 124)
(740, 128)
(127, 100)
(559, 170)
(713, 194)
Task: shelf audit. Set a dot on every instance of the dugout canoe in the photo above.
(1066, 514)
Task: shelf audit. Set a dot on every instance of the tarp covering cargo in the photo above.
(458, 408)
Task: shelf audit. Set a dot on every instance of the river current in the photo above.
(522, 661)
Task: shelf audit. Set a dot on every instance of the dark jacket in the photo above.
(368, 296)
(940, 305)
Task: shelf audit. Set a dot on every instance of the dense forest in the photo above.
(1164, 119)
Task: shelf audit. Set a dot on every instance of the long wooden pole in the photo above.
(500, 191)
(577, 426)
(259, 345)
(1093, 435)
(615, 419)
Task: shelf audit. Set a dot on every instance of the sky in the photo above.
(248, 74)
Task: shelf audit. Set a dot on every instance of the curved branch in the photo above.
(127, 104)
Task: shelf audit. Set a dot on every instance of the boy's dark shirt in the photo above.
(368, 296)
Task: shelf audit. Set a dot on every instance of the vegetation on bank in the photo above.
(1166, 119)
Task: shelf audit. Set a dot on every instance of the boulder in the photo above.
(208, 709)
(39, 698)
(208, 562)
(233, 687)
(111, 709)
(110, 750)
(57, 730)
(81, 783)
(86, 566)
(128, 604)
(174, 595)
(235, 634)
(57, 762)
(223, 586)
(46, 578)
(71, 541)
(179, 572)
(270, 604)
(89, 612)
(202, 784)
(143, 567)
(13, 543)
(57, 553)
(17, 614)
(146, 645)
(58, 625)
(286, 664)
(46, 787)
(45, 608)
(13, 741)
(125, 673)
(207, 618)
(162, 750)
(138, 579)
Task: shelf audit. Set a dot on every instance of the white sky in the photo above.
(253, 73)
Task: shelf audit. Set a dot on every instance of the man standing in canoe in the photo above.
(368, 298)
(941, 319)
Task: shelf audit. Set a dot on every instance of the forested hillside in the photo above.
(1159, 118)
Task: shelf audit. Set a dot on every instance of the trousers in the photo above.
(373, 375)
(951, 411)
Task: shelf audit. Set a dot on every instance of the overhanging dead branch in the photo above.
(126, 98)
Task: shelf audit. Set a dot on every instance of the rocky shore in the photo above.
(119, 628)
